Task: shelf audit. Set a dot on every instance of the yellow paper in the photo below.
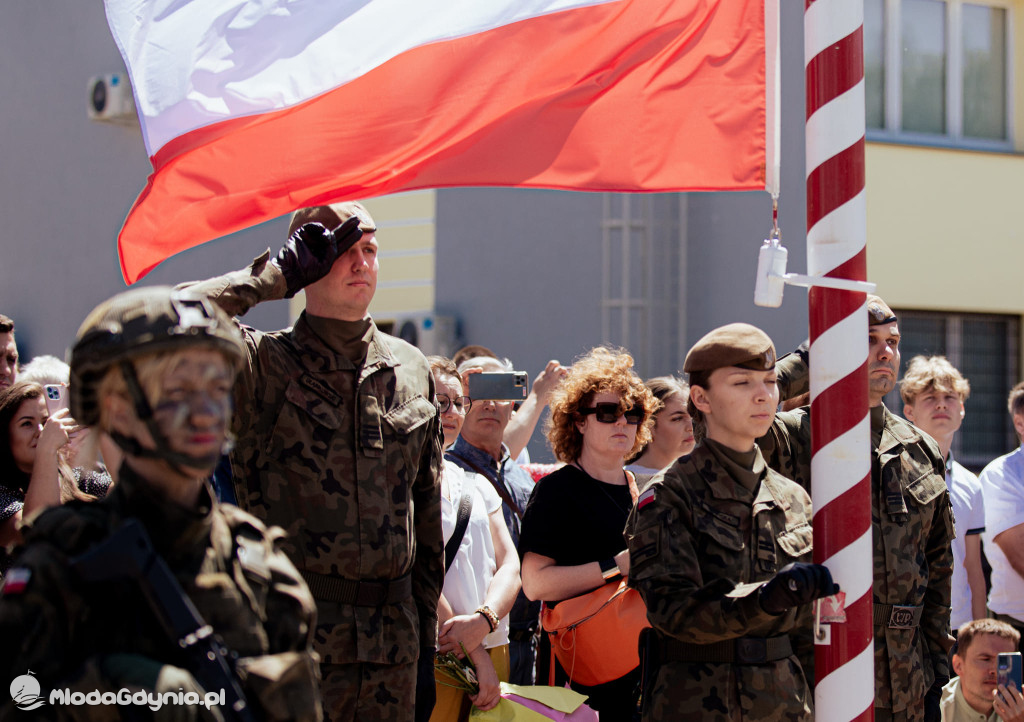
(561, 698)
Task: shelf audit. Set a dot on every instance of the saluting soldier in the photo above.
(153, 369)
(911, 522)
(719, 546)
(339, 443)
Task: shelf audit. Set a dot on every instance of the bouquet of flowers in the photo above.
(458, 673)
(518, 703)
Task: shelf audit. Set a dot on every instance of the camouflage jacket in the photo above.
(65, 629)
(347, 461)
(701, 545)
(912, 528)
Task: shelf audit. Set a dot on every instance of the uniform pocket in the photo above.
(796, 541)
(720, 528)
(927, 487)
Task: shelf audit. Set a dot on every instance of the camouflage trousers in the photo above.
(721, 692)
(361, 692)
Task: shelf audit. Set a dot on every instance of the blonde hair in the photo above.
(932, 372)
(601, 370)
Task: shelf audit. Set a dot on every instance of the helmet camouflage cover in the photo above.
(144, 321)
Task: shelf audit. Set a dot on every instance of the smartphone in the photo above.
(499, 386)
(56, 397)
(1008, 669)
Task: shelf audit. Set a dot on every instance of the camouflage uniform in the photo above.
(347, 460)
(912, 528)
(67, 631)
(701, 545)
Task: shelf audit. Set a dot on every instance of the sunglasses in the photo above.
(462, 403)
(609, 413)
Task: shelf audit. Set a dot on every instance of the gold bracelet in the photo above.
(489, 615)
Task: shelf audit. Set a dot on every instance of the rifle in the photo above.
(128, 554)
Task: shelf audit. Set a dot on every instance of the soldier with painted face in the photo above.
(719, 548)
(339, 443)
(153, 369)
(912, 528)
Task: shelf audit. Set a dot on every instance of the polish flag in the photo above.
(253, 108)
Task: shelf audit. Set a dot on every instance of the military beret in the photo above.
(332, 216)
(879, 312)
(738, 344)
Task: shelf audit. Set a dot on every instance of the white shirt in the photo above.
(465, 584)
(1002, 485)
(969, 512)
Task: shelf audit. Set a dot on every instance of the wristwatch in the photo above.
(609, 568)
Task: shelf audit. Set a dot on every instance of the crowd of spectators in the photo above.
(457, 546)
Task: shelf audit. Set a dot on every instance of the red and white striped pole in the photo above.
(840, 427)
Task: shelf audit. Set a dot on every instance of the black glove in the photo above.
(426, 687)
(932, 710)
(796, 584)
(309, 253)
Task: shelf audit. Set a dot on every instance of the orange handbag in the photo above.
(595, 636)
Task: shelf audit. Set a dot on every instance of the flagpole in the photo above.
(840, 428)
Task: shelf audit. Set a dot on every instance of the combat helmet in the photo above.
(138, 322)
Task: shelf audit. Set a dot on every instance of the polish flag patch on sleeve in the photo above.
(16, 580)
(645, 498)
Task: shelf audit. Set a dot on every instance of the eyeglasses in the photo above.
(609, 413)
(462, 403)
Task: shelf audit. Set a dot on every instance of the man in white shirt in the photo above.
(973, 695)
(1002, 483)
(934, 392)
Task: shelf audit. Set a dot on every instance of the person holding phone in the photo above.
(975, 694)
(571, 541)
(481, 579)
(34, 470)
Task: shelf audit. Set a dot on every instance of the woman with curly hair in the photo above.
(672, 435)
(571, 541)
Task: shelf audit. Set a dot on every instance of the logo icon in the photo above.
(25, 692)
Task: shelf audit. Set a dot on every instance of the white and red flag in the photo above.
(253, 108)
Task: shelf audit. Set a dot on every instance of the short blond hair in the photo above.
(932, 372)
(602, 370)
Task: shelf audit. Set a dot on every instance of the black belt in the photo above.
(744, 650)
(358, 592)
(898, 616)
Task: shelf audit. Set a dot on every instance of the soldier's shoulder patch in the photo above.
(15, 581)
(645, 498)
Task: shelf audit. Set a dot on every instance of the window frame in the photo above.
(893, 91)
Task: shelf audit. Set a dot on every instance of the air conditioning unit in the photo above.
(110, 98)
(431, 334)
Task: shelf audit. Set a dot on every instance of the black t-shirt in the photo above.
(574, 518)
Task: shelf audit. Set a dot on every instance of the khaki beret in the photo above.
(879, 312)
(332, 216)
(738, 344)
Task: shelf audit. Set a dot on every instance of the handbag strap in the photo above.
(498, 486)
(461, 523)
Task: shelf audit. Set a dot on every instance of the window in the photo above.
(937, 71)
(985, 349)
(640, 308)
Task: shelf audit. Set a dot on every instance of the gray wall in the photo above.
(66, 182)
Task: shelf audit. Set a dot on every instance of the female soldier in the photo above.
(718, 544)
(153, 369)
